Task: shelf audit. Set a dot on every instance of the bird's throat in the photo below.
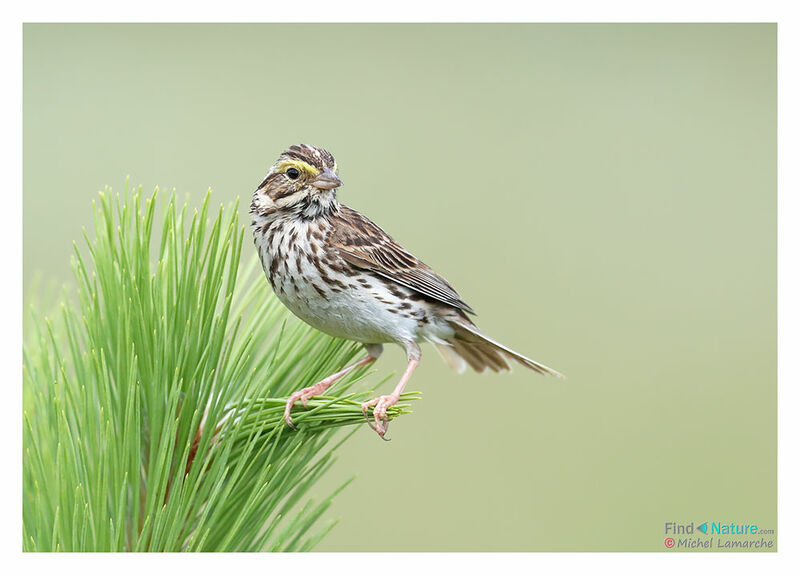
(317, 206)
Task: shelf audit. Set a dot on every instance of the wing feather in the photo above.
(363, 244)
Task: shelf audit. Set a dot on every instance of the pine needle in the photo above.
(153, 405)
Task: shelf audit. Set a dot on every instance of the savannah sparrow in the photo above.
(342, 274)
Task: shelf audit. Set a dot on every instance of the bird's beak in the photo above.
(327, 180)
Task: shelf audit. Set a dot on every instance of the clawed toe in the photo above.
(379, 407)
(364, 407)
(303, 396)
(287, 414)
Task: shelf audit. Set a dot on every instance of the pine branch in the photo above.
(153, 407)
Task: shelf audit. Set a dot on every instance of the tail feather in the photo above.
(481, 351)
(482, 357)
(467, 356)
(451, 357)
(476, 358)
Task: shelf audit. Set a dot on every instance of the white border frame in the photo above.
(411, 11)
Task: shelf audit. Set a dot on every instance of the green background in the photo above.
(603, 195)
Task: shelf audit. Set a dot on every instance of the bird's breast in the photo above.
(323, 290)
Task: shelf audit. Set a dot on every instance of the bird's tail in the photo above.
(469, 346)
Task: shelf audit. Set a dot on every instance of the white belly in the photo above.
(352, 314)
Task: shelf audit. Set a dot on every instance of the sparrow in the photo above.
(342, 274)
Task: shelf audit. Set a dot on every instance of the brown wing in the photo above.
(363, 244)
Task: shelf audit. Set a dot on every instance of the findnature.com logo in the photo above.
(717, 535)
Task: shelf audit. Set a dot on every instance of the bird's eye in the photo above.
(293, 173)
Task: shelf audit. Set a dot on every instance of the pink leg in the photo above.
(318, 388)
(382, 403)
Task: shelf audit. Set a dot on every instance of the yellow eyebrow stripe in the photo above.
(299, 164)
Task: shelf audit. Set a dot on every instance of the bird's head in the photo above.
(303, 177)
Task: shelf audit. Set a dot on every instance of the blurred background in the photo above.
(603, 195)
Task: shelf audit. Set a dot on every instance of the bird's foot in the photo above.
(319, 388)
(379, 406)
(303, 395)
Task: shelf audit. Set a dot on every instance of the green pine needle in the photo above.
(153, 408)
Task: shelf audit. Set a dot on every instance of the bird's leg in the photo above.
(381, 404)
(318, 388)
